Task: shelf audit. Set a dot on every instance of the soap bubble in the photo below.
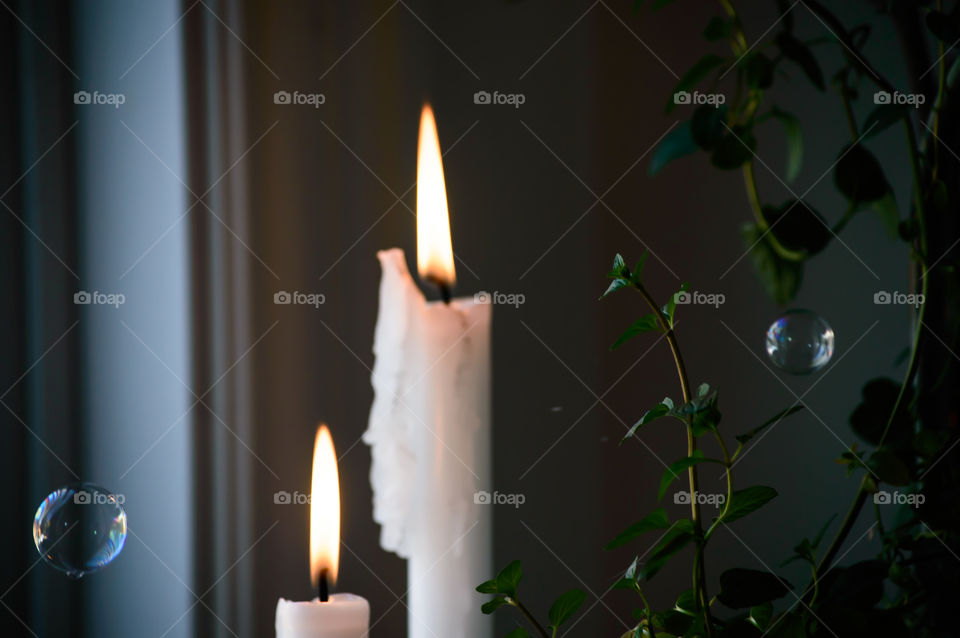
(800, 342)
(80, 528)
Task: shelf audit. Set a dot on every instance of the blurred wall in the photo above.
(137, 382)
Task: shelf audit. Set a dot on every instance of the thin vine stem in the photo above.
(861, 497)
(530, 619)
(699, 569)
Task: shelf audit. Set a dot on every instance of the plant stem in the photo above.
(843, 36)
(753, 194)
(653, 633)
(847, 216)
(699, 570)
(848, 108)
(523, 610)
(938, 102)
(914, 364)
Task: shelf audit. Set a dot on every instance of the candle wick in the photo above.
(443, 286)
(324, 593)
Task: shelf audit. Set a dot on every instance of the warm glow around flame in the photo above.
(434, 249)
(324, 509)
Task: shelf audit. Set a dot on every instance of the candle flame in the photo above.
(434, 248)
(324, 509)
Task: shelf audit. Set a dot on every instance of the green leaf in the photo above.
(694, 76)
(870, 417)
(928, 443)
(488, 587)
(883, 117)
(780, 277)
(859, 176)
(615, 285)
(647, 323)
(798, 227)
(566, 606)
(675, 540)
(509, 578)
(657, 519)
(678, 143)
(734, 149)
(798, 53)
(519, 632)
(703, 411)
(672, 303)
(789, 625)
(707, 126)
(631, 572)
(886, 209)
(776, 418)
(625, 583)
(791, 127)
(943, 26)
(619, 267)
(686, 603)
(673, 622)
(717, 29)
(742, 588)
(888, 467)
(638, 271)
(492, 605)
(678, 467)
(760, 615)
(784, 8)
(660, 410)
(758, 71)
(743, 502)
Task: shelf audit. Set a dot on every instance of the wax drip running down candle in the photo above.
(429, 430)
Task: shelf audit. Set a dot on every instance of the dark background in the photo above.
(307, 198)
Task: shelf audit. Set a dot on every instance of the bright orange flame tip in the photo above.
(324, 509)
(434, 247)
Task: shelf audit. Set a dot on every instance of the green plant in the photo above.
(907, 589)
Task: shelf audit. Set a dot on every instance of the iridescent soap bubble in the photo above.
(80, 528)
(800, 342)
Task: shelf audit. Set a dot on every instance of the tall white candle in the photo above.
(429, 425)
(341, 615)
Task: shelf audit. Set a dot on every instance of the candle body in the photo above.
(343, 616)
(430, 438)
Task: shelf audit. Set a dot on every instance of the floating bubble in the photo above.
(800, 342)
(80, 528)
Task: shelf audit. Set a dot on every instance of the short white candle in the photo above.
(341, 615)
